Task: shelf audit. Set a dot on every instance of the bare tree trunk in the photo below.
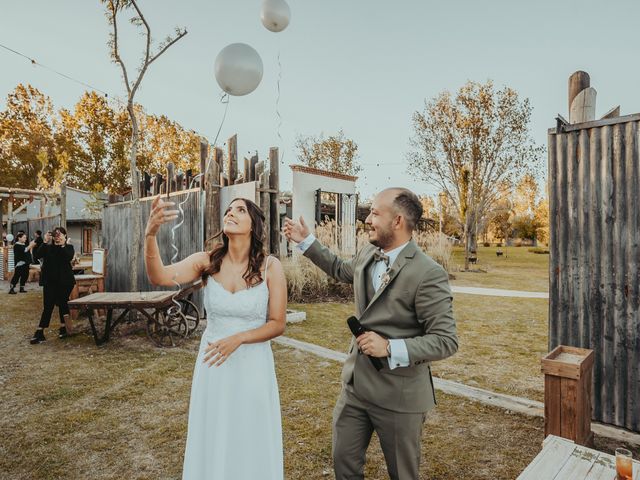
(466, 244)
(135, 199)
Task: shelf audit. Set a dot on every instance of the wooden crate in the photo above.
(567, 393)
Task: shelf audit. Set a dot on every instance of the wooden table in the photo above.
(561, 459)
(166, 326)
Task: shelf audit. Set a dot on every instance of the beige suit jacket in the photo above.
(415, 305)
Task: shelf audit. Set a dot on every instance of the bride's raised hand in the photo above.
(159, 215)
(216, 353)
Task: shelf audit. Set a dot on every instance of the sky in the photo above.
(361, 66)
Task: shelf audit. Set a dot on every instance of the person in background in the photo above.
(22, 259)
(58, 281)
(38, 240)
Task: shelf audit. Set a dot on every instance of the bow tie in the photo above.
(379, 256)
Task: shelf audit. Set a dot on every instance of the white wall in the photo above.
(304, 198)
(304, 191)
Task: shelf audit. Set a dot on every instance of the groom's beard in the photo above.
(384, 238)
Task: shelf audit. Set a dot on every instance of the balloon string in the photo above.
(278, 105)
(176, 307)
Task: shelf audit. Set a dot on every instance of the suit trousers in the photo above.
(355, 420)
(54, 294)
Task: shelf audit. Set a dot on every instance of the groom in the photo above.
(403, 298)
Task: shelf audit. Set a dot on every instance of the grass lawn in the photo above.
(72, 410)
(518, 270)
(501, 340)
(75, 411)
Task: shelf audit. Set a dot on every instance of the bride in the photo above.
(235, 430)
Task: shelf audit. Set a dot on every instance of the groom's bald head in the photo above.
(405, 203)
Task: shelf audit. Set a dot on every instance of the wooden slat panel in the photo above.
(576, 467)
(594, 297)
(552, 405)
(569, 392)
(553, 456)
(603, 468)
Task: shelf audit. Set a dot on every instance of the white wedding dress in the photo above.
(235, 430)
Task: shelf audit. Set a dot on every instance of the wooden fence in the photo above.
(203, 209)
(594, 293)
(117, 239)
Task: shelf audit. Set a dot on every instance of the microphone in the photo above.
(358, 329)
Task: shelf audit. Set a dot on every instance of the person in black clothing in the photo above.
(58, 281)
(38, 241)
(22, 259)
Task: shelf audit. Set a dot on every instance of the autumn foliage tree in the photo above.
(88, 145)
(27, 148)
(470, 144)
(336, 153)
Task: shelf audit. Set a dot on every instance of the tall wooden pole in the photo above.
(274, 194)
(577, 82)
(63, 204)
(233, 159)
(212, 198)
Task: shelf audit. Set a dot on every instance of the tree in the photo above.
(336, 153)
(542, 221)
(114, 7)
(469, 146)
(27, 151)
(163, 141)
(86, 135)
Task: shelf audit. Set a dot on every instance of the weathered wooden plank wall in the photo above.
(116, 228)
(594, 296)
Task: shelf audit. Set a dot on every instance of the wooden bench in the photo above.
(562, 459)
(166, 325)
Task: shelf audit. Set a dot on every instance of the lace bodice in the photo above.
(230, 313)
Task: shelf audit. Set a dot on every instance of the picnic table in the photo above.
(167, 326)
(561, 459)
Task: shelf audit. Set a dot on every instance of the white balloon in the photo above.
(275, 15)
(238, 69)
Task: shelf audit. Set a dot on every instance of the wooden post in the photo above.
(232, 165)
(204, 154)
(252, 168)
(157, 182)
(179, 179)
(274, 186)
(140, 178)
(170, 174)
(147, 184)
(10, 214)
(63, 204)
(577, 82)
(212, 198)
(567, 393)
(265, 205)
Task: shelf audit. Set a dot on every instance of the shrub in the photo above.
(539, 250)
(305, 281)
(486, 244)
(437, 246)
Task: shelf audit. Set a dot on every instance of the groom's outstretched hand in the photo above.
(372, 344)
(296, 231)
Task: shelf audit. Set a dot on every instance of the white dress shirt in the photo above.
(399, 354)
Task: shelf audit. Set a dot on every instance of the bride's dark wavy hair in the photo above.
(252, 275)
